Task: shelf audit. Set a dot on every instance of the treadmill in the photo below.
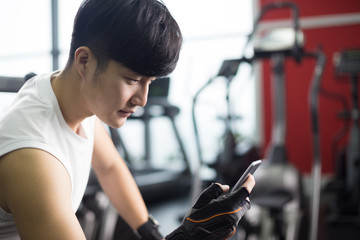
(156, 182)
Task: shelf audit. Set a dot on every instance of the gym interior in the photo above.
(256, 79)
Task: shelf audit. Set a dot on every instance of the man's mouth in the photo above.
(125, 113)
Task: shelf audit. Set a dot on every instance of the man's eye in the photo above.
(130, 80)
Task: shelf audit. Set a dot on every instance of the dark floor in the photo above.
(169, 212)
(334, 226)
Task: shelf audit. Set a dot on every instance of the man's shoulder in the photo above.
(29, 172)
(36, 189)
(27, 162)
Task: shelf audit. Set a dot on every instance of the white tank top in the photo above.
(34, 120)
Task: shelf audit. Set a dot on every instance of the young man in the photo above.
(53, 134)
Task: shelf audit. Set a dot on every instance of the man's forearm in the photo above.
(116, 179)
(120, 187)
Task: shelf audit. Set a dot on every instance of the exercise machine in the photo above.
(235, 153)
(279, 186)
(155, 181)
(11, 84)
(346, 185)
(278, 191)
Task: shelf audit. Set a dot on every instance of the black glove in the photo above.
(150, 230)
(213, 216)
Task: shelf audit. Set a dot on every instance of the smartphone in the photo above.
(251, 169)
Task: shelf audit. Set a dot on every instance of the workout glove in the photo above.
(150, 230)
(214, 216)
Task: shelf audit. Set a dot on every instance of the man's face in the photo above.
(116, 93)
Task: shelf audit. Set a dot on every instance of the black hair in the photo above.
(140, 34)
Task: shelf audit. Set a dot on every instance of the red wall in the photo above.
(316, 7)
(298, 77)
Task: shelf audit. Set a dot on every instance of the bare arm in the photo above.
(116, 179)
(36, 188)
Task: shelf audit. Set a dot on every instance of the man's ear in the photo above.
(83, 60)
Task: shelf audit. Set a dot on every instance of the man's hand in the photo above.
(215, 215)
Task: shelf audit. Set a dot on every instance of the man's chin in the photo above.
(117, 124)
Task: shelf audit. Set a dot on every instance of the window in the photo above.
(25, 43)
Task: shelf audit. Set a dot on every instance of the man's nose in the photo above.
(141, 96)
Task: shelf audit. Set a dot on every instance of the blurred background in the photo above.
(203, 125)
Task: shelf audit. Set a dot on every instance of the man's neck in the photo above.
(66, 87)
